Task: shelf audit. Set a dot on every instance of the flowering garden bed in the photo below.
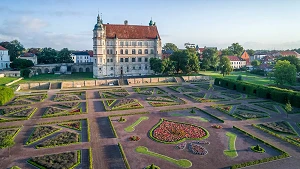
(248, 108)
(269, 106)
(76, 125)
(250, 115)
(114, 93)
(64, 138)
(144, 90)
(123, 104)
(36, 97)
(158, 101)
(8, 134)
(69, 104)
(57, 161)
(197, 149)
(281, 127)
(65, 97)
(54, 111)
(41, 132)
(232, 95)
(19, 102)
(171, 132)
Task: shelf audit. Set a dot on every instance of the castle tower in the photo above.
(99, 49)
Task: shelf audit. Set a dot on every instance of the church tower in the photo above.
(99, 48)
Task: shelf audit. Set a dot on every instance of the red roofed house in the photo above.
(246, 57)
(122, 49)
(4, 58)
(287, 53)
(29, 56)
(236, 62)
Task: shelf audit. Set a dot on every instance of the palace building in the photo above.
(123, 49)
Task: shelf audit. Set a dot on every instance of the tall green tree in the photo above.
(255, 63)
(64, 56)
(210, 58)
(156, 65)
(226, 52)
(236, 49)
(225, 65)
(168, 66)
(181, 60)
(193, 62)
(170, 46)
(285, 72)
(250, 52)
(47, 56)
(21, 64)
(293, 60)
(15, 49)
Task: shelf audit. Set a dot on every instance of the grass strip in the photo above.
(232, 151)
(184, 163)
(131, 128)
(124, 156)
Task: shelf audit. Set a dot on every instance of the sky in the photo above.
(255, 24)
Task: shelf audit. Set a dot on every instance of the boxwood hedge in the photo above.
(267, 92)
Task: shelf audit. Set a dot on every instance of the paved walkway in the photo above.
(104, 146)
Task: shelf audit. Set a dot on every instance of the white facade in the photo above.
(4, 58)
(238, 64)
(29, 56)
(81, 57)
(114, 57)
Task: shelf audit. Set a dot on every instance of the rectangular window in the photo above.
(140, 67)
(139, 59)
(146, 67)
(122, 43)
(132, 59)
(126, 59)
(111, 60)
(133, 67)
(152, 51)
(107, 60)
(121, 59)
(127, 69)
(133, 43)
(111, 68)
(146, 59)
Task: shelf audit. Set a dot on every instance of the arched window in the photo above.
(107, 52)
(126, 51)
(140, 51)
(121, 51)
(152, 51)
(133, 51)
(111, 51)
(146, 51)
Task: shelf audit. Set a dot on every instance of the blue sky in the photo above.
(257, 24)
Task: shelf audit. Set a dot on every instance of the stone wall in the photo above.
(88, 83)
(35, 86)
(196, 78)
(151, 80)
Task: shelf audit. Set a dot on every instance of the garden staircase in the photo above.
(55, 85)
(179, 80)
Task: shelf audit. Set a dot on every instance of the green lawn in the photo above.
(54, 77)
(5, 80)
(232, 151)
(131, 128)
(184, 163)
(246, 76)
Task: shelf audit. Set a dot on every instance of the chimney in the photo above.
(125, 22)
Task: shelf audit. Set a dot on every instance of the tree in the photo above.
(288, 107)
(21, 64)
(186, 61)
(285, 72)
(250, 52)
(168, 66)
(210, 58)
(193, 62)
(293, 60)
(170, 46)
(64, 56)
(226, 52)
(236, 49)
(255, 63)
(47, 56)
(225, 65)
(15, 48)
(156, 65)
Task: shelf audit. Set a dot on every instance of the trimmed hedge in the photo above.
(274, 93)
(112, 127)
(264, 160)
(124, 156)
(211, 115)
(6, 94)
(91, 158)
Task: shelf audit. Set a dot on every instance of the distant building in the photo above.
(236, 62)
(29, 56)
(4, 58)
(166, 54)
(123, 49)
(287, 53)
(81, 57)
(189, 45)
(246, 57)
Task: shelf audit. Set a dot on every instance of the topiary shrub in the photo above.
(240, 78)
(121, 119)
(152, 166)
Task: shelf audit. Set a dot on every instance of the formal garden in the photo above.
(149, 90)
(122, 104)
(28, 99)
(65, 109)
(114, 93)
(167, 100)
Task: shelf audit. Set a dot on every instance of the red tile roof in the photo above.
(287, 53)
(2, 48)
(201, 49)
(131, 31)
(234, 58)
(90, 52)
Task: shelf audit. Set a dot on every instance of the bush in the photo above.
(239, 78)
(25, 72)
(276, 94)
(258, 72)
(6, 94)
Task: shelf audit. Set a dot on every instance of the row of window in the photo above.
(133, 51)
(127, 68)
(236, 63)
(127, 60)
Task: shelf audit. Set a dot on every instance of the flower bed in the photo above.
(203, 86)
(201, 142)
(232, 95)
(37, 98)
(250, 115)
(126, 104)
(69, 104)
(5, 134)
(19, 102)
(280, 127)
(65, 97)
(53, 110)
(181, 146)
(134, 138)
(9, 110)
(144, 90)
(269, 106)
(64, 138)
(197, 149)
(41, 132)
(22, 113)
(248, 108)
(160, 98)
(160, 104)
(114, 93)
(216, 126)
(57, 161)
(171, 132)
(110, 102)
(76, 125)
